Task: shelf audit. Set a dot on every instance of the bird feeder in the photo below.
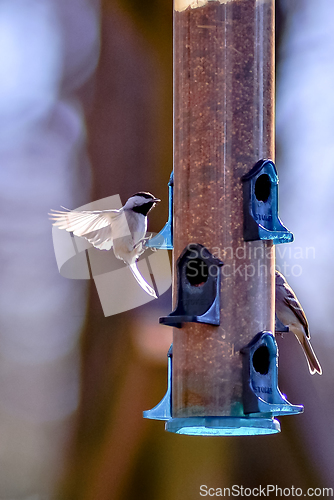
(223, 363)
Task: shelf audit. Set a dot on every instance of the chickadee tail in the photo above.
(312, 361)
(144, 285)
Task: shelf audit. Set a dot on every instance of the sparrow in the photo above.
(290, 313)
(123, 230)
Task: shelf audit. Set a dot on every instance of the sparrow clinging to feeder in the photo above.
(290, 313)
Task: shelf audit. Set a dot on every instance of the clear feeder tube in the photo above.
(223, 124)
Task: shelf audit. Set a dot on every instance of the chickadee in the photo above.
(122, 229)
(290, 313)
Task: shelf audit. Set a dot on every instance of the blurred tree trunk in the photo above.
(128, 136)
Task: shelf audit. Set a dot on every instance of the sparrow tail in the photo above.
(144, 285)
(313, 363)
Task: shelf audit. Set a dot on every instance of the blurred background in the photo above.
(85, 113)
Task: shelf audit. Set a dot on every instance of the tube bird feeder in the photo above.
(223, 363)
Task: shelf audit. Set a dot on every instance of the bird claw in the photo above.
(140, 247)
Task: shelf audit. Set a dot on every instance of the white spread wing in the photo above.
(95, 226)
(101, 238)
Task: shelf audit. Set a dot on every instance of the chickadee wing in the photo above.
(95, 226)
(294, 304)
(101, 239)
(81, 222)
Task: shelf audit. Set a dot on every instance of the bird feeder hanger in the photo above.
(222, 365)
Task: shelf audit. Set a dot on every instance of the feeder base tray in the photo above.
(223, 426)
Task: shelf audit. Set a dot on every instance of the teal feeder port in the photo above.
(260, 192)
(163, 410)
(248, 425)
(260, 378)
(164, 239)
(198, 288)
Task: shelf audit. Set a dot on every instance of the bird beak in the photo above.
(156, 200)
